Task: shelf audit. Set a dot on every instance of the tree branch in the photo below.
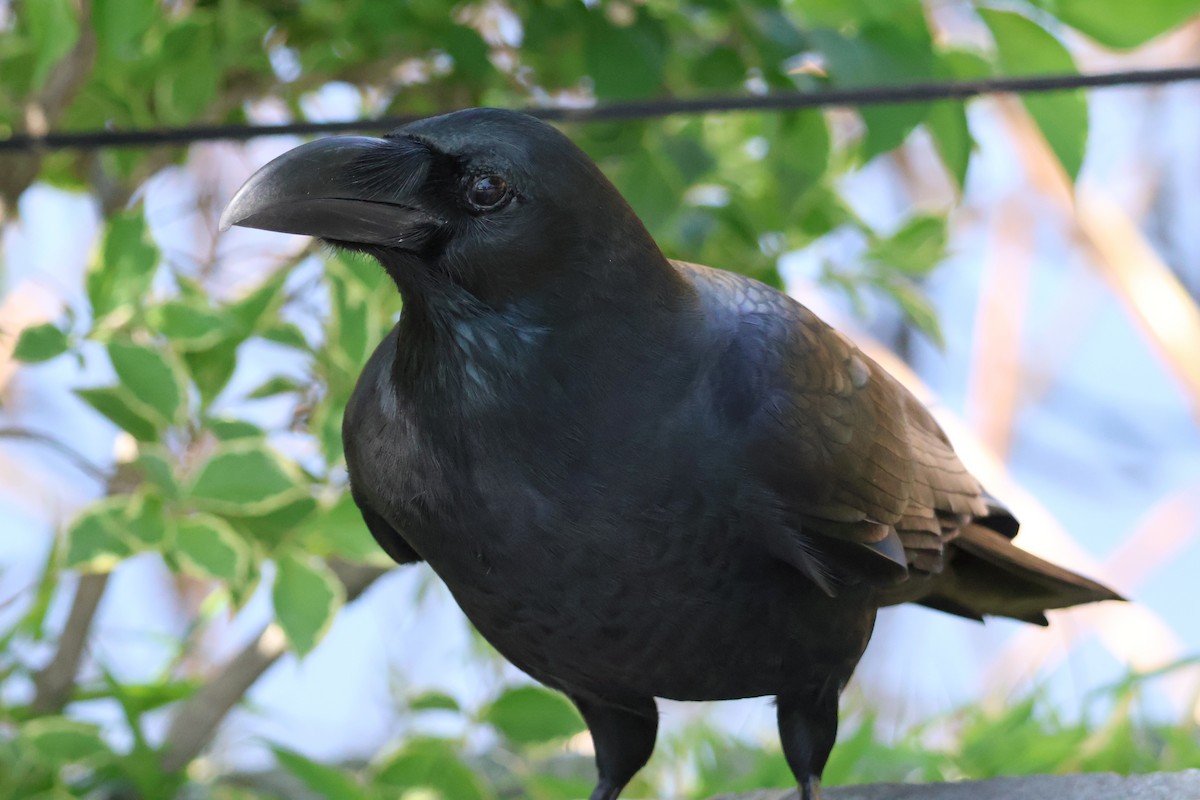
(56, 680)
(194, 724)
(63, 449)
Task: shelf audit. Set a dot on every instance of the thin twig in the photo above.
(55, 682)
(64, 450)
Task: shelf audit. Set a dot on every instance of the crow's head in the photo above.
(493, 202)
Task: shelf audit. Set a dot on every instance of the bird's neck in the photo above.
(455, 348)
(453, 345)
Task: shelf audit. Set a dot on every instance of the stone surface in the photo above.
(1099, 786)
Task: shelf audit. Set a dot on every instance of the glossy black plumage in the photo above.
(639, 478)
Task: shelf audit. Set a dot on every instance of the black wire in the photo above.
(640, 109)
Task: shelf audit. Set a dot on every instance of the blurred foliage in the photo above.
(54, 756)
(217, 499)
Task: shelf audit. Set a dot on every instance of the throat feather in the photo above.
(466, 357)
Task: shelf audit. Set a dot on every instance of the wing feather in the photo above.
(851, 455)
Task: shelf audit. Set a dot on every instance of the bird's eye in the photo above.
(487, 192)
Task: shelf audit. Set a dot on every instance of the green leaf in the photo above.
(688, 155)
(947, 121)
(553, 44)
(652, 186)
(209, 547)
(141, 697)
(275, 386)
(40, 343)
(431, 764)
(624, 62)
(286, 333)
(326, 781)
(186, 82)
(1025, 48)
(33, 621)
(251, 311)
(898, 51)
(62, 741)
(434, 701)
(775, 36)
(307, 595)
(146, 521)
(120, 280)
(273, 528)
(352, 323)
(338, 530)
(965, 65)
(1121, 24)
(96, 539)
(326, 423)
(123, 410)
(245, 477)
(556, 787)
(732, 766)
(147, 374)
(53, 29)
(191, 327)
(227, 429)
(158, 470)
(916, 248)
(720, 69)
(806, 135)
(212, 368)
(119, 25)
(897, 56)
(918, 310)
(469, 51)
(532, 714)
(947, 124)
(849, 751)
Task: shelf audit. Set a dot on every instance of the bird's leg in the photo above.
(624, 739)
(807, 728)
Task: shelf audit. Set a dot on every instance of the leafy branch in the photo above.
(193, 725)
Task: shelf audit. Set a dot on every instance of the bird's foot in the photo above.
(810, 789)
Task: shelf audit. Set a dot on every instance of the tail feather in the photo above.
(987, 575)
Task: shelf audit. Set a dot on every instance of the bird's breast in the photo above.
(598, 538)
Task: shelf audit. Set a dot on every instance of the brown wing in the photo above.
(859, 465)
(876, 477)
(858, 481)
(872, 467)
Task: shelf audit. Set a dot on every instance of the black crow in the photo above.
(639, 478)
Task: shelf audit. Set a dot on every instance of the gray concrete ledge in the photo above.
(1097, 786)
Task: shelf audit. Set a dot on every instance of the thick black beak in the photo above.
(345, 188)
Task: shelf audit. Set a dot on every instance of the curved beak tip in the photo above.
(227, 219)
(236, 211)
